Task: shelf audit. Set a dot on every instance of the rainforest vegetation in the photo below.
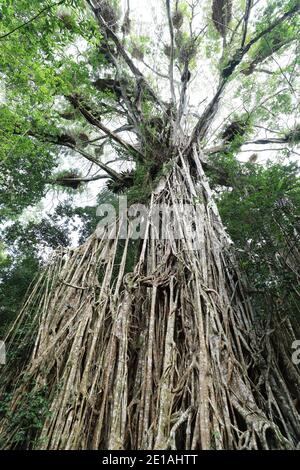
(150, 344)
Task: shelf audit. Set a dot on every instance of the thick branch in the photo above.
(210, 111)
(112, 173)
(246, 20)
(251, 67)
(268, 140)
(205, 120)
(171, 63)
(239, 53)
(183, 91)
(66, 180)
(70, 143)
(92, 119)
(121, 51)
(285, 16)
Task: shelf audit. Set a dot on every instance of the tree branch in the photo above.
(288, 14)
(55, 140)
(159, 74)
(263, 141)
(171, 62)
(251, 67)
(270, 140)
(205, 120)
(86, 112)
(120, 49)
(239, 53)
(246, 20)
(210, 111)
(32, 19)
(79, 179)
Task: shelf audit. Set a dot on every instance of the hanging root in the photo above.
(168, 356)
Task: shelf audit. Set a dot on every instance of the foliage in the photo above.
(262, 215)
(28, 418)
(24, 250)
(24, 166)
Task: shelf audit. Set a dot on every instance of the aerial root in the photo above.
(145, 360)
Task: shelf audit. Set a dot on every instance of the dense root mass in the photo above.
(168, 356)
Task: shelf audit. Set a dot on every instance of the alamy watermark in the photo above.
(166, 222)
(296, 353)
(2, 353)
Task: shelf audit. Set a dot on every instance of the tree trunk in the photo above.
(169, 356)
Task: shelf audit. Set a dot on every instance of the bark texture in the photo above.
(169, 356)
